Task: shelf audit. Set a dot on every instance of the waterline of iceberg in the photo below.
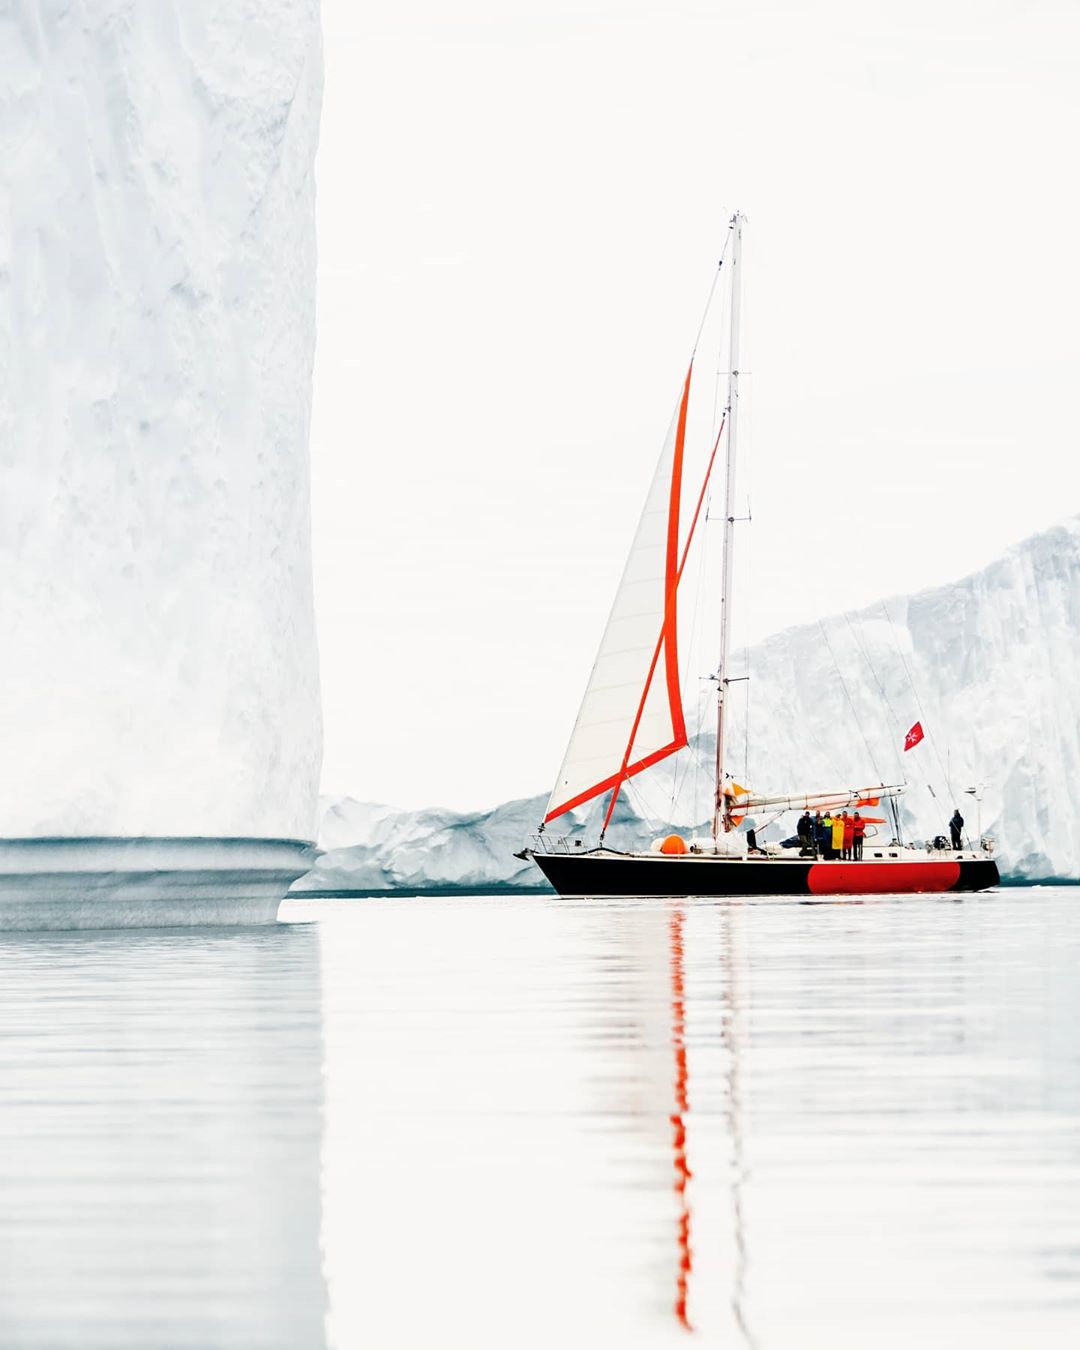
(145, 882)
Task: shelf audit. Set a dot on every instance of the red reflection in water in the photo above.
(682, 1169)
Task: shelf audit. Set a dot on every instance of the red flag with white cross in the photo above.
(914, 736)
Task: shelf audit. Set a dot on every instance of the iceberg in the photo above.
(369, 847)
(990, 665)
(157, 264)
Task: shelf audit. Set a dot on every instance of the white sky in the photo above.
(520, 207)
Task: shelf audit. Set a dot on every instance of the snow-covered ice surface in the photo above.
(157, 263)
(990, 665)
(373, 847)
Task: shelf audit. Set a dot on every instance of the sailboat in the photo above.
(632, 717)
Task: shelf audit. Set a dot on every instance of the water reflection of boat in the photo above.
(632, 717)
(697, 1290)
(678, 1117)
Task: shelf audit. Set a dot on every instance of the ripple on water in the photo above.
(493, 1122)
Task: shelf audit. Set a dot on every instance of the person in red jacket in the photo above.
(858, 829)
(849, 835)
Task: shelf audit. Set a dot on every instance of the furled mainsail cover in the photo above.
(631, 716)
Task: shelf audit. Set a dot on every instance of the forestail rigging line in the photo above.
(825, 753)
(749, 682)
(709, 298)
(926, 725)
(894, 729)
(895, 725)
(678, 781)
(851, 705)
(719, 417)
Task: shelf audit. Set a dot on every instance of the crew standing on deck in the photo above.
(956, 828)
(806, 835)
(826, 837)
(849, 835)
(838, 836)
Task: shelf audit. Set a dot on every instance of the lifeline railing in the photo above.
(553, 843)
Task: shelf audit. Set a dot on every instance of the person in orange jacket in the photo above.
(838, 836)
(849, 835)
(858, 829)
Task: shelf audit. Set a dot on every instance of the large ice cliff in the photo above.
(157, 283)
(990, 665)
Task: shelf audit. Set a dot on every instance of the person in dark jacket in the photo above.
(826, 841)
(819, 835)
(805, 832)
(956, 828)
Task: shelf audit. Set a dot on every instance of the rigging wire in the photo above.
(647, 807)
(709, 299)
(719, 416)
(825, 753)
(704, 704)
(865, 653)
(636, 797)
(746, 710)
(851, 705)
(746, 722)
(722, 358)
(679, 781)
(914, 771)
(918, 704)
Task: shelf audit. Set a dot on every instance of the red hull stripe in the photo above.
(863, 878)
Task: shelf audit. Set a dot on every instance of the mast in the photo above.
(732, 415)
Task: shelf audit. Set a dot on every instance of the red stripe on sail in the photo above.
(598, 789)
(679, 740)
(700, 500)
(672, 572)
(668, 639)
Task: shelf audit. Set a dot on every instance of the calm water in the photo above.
(516, 1123)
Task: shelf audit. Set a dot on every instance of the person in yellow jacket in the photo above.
(826, 836)
(838, 836)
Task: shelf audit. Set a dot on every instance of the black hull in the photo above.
(598, 873)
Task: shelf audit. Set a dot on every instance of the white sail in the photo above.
(632, 715)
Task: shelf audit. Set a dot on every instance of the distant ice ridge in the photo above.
(157, 277)
(995, 661)
(372, 847)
